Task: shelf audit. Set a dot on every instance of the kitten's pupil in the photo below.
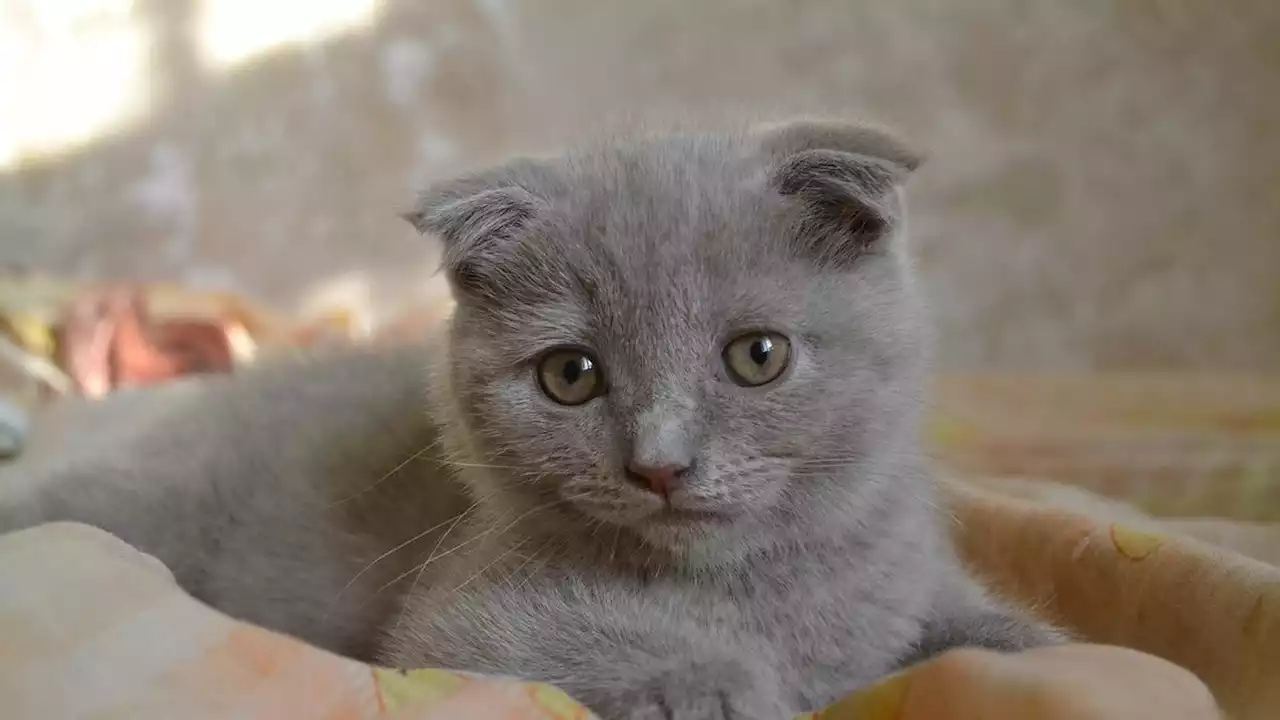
(760, 350)
(574, 369)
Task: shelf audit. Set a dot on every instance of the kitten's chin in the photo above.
(699, 538)
(684, 533)
(698, 543)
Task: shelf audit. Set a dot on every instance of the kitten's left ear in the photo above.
(847, 175)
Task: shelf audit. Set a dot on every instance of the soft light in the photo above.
(71, 71)
(232, 31)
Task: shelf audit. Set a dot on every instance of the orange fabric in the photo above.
(109, 340)
(1202, 607)
(1072, 682)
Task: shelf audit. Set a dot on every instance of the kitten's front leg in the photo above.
(626, 655)
(697, 686)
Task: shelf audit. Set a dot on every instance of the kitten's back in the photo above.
(265, 492)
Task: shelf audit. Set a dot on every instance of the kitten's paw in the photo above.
(992, 628)
(723, 690)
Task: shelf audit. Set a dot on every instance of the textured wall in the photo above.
(1104, 188)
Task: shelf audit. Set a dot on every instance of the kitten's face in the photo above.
(655, 351)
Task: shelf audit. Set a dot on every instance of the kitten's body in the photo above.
(800, 556)
(248, 487)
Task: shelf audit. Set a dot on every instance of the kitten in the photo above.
(670, 461)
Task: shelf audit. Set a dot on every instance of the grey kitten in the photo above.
(677, 469)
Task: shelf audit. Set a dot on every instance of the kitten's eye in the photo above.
(757, 358)
(569, 376)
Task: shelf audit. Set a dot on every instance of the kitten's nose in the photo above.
(661, 479)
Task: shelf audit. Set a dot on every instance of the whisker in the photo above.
(491, 563)
(464, 543)
(427, 448)
(596, 526)
(524, 583)
(527, 559)
(613, 553)
(481, 466)
(431, 557)
(546, 558)
(836, 462)
(407, 543)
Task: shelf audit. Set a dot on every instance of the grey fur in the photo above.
(516, 544)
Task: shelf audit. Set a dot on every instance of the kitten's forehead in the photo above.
(667, 237)
(675, 211)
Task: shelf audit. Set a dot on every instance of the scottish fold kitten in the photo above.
(668, 459)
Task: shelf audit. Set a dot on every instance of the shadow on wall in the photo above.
(1102, 189)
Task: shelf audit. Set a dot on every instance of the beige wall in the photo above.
(1104, 189)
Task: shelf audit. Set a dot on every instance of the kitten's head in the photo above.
(704, 339)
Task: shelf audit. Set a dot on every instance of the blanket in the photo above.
(1136, 583)
(95, 629)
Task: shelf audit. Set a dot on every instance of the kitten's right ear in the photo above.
(847, 176)
(478, 218)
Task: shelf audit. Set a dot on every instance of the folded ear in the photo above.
(478, 218)
(847, 176)
(787, 138)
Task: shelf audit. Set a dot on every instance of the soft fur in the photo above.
(498, 531)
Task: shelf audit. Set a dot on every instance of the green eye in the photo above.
(757, 358)
(570, 376)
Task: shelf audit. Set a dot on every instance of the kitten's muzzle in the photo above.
(658, 479)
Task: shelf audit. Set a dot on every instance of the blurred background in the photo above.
(1103, 190)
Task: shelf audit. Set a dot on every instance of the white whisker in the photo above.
(613, 553)
(481, 466)
(491, 563)
(464, 543)
(393, 471)
(527, 559)
(407, 543)
(431, 557)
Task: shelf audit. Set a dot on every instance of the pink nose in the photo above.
(660, 479)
